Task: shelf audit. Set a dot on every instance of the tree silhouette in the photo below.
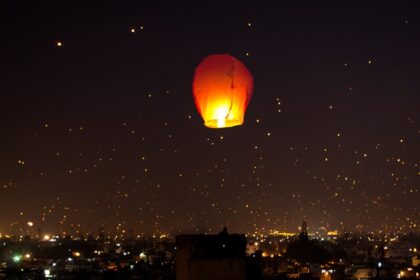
(304, 250)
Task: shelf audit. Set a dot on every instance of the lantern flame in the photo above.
(222, 90)
(221, 113)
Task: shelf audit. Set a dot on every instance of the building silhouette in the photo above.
(219, 256)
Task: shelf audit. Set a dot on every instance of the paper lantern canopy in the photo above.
(222, 89)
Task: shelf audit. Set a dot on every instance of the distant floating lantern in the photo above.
(222, 89)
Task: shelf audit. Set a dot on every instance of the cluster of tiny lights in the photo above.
(100, 129)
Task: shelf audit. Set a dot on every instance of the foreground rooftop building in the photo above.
(221, 256)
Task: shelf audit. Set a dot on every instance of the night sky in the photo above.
(99, 126)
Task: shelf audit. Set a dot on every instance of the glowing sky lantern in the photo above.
(222, 89)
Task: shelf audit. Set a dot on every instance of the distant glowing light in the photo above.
(76, 254)
(47, 237)
(31, 224)
(143, 256)
(59, 44)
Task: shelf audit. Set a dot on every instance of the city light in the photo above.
(16, 258)
(143, 256)
(76, 254)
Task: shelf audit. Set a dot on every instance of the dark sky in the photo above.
(103, 129)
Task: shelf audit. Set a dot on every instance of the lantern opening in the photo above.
(223, 117)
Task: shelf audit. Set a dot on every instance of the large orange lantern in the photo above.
(222, 89)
